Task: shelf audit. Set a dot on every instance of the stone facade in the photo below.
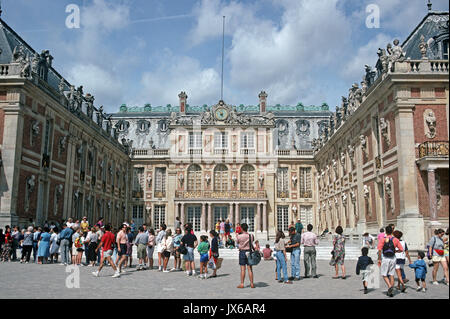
(52, 150)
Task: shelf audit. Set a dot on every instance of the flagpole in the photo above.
(223, 45)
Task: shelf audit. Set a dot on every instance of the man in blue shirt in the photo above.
(299, 227)
(65, 236)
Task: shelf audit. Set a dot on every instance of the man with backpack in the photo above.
(386, 258)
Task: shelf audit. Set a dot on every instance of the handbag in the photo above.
(253, 257)
(440, 252)
(211, 263)
(182, 249)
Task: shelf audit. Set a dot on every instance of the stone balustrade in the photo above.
(225, 195)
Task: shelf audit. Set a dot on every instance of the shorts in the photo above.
(123, 250)
(437, 259)
(190, 254)
(80, 250)
(204, 258)
(166, 254)
(159, 248)
(445, 252)
(420, 279)
(222, 232)
(176, 253)
(365, 274)
(150, 251)
(74, 251)
(129, 250)
(107, 253)
(142, 251)
(387, 267)
(243, 257)
(227, 234)
(400, 263)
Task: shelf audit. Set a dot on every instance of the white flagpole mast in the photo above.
(223, 45)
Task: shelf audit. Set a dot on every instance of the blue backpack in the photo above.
(389, 248)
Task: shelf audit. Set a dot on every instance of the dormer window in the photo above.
(445, 49)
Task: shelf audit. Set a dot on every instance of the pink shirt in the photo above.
(380, 237)
(151, 240)
(243, 241)
(309, 239)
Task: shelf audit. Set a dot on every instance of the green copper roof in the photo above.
(148, 108)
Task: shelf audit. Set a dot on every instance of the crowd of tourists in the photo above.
(102, 245)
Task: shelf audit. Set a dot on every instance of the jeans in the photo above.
(281, 264)
(295, 262)
(65, 251)
(15, 245)
(35, 250)
(403, 273)
(26, 252)
(310, 261)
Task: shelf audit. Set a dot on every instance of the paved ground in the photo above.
(49, 281)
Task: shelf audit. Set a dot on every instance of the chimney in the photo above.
(183, 97)
(262, 101)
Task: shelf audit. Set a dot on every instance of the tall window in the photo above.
(305, 182)
(220, 212)
(248, 216)
(159, 216)
(306, 215)
(47, 137)
(195, 140)
(138, 215)
(445, 48)
(138, 182)
(221, 178)
(160, 182)
(247, 178)
(194, 178)
(248, 140)
(220, 140)
(282, 182)
(194, 214)
(283, 218)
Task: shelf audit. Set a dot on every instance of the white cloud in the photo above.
(175, 74)
(99, 82)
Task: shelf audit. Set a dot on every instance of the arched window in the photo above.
(221, 178)
(194, 178)
(247, 178)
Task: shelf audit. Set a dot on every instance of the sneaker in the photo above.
(187, 272)
(435, 283)
(193, 272)
(166, 270)
(424, 289)
(173, 269)
(160, 268)
(116, 275)
(366, 291)
(418, 289)
(389, 293)
(95, 273)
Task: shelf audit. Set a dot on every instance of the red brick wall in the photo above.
(55, 155)
(443, 176)
(422, 183)
(393, 213)
(37, 140)
(441, 123)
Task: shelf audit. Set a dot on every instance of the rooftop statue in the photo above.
(383, 62)
(396, 53)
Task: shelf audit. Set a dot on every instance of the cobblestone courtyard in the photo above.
(49, 281)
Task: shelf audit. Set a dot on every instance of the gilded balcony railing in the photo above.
(433, 148)
(202, 194)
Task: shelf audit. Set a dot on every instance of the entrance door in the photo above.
(248, 217)
(194, 214)
(138, 215)
(220, 212)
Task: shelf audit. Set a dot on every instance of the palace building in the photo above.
(381, 157)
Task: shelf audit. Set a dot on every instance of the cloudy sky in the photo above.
(147, 51)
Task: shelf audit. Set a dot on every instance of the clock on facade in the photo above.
(221, 114)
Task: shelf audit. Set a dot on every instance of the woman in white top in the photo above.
(92, 241)
(54, 247)
(400, 261)
(167, 246)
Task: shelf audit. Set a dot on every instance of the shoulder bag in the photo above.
(253, 257)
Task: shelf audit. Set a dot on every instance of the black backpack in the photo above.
(389, 248)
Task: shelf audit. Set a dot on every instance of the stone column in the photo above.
(182, 215)
(238, 214)
(210, 221)
(203, 218)
(11, 157)
(264, 221)
(432, 194)
(259, 218)
(171, 187)
(230, 214)
(410, 221)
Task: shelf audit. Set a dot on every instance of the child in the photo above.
(267, 253)
(230, 242)
(257, 247)
(203, 249)
(361, 266)
(420, 268)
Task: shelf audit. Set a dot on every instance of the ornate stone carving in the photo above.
(353, 196)
(31, 182)
(208, 179)
(62, 144)
(303, 127)
(351, 153)
(370, 75)
(383, 62)
(396, 53)
(59, 191)
(363, 142)
(19, 53)
(181, 179)
(389, 189)
(430, 123)
(384, 128)
(344, 199)
(35, 128)
(234, 179)
(61, 86)
(294, 180)
(423, 47)
(89, 105)
(261, 180)
(143, 127)
(366, 191)
(342, 158)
